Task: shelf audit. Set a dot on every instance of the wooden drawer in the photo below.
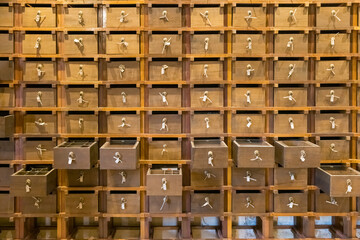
(248, 202)
(123, 154)
(290, 44)
(326, 204)
(7, 148)
(33, 181)
(207, 97)
(123, 97)
(130, 71)
(7, 41)
(203, 71)
(38, 149)
(164, 149)
(283, 71)
(39, 97)
(165, 17)
(123, 202)
(7, 205)
(332, 96)
(39, 71)
(215, 43)
(248, 123)
(80, 17)
(253, 154)
(173, 71)
(325, 17)
(39, 44)
(249, 44)
(173, 204)
(248, 70)
(334, 149)
(84, 45)
(7, 70)
(164, 97)
(39, 17)
(165, 124)
(340, 68)
(207, 203)
(166, 233)
(81, 203)
(341, 43)
(156, 44)
(248, 177)
(6, 16)
(40, 123)
(207, 17)
(207, 123)
(5, 173)
(6, 126)
(75, 155)
(81, 71)
(324, 123)
(123, 123)
(248, 97)
(7, 98)
(39, 205)
(78, 123)
(290, 97)
(122, 44)
(161, 182)
(249, 16)
(83, 178)
(291, 16)
(210, 177)
(290, 177)
(209, 154)
(338, 181)
(122, 17)
(123, 178)
(291, 202)
(282, 123)
(297, 154)
(81, 97)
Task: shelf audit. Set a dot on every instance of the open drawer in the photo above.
(253, 154)
(161, 182)
(122, 154)
(209, 154)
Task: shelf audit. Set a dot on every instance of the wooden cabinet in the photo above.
(253, 154)
(208, 154)
(39, 17)
(120, 155)
(38, 44)
(84, 17)
(161, 182)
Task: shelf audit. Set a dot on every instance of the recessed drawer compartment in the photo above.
(297, 154)
(327, 204)
(33, 181)
(290, 177)
(122, 44)
(206, 154)
(39, 44)
(80, 17)
(290, 71)
(123, 123)
(244, 122)
(83, 45)
(123, 96)
(81, 71)
(248, 97)
(210, 177)
(290, 44)
(38, 17)
(39, 123)
(333, 17)
(123, 178)
(249, 44)
(123, 71)
(7, 148)
(39, 205)
(122, 154)
(118, 16)
(81, 203)
(333, 70)
(334, 43)
(334, 149)
(81, 97)
(165, 71)
(248, 201)
(248, 177)
(164, 97)
(290, 97)
(250, 17)
(207, 17)
(6, 16)
(253, 154)
(165, 44)
(207, 97)
(207, 43)
(169, 149)
(81, 123)
(207, 123)
(76, 155)
(7, 201)
(165, 123)
(332, 96)
(202, 71)
(248, 70)
(39, 97)
(161, 182)
(165, 204)
(290, 201)
(39, 70)
(7, 96)
(338, 181)
(203, 202)
(7, 70)
(123, 202)
(165, 17)
(83, 178)
(5, 174)
(7, 43)
(39, 149)
(295, 16)
(294, 123)
(332, 123)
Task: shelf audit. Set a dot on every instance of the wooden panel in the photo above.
(7, 149)
(282, 202)
(215, 200)
(248, 70)
(39, 205)
(115, 17)
(88, 45)
(324, 123)
(81, 203)
(80, 17)
(172, 19)
(334, 149)
(39, 44)
(7, 70)
(83, 178)
(165, 150)
(326, 204)
(7, 43)
(248, 177)
(283, 71)
(163, 182)
(248, 202)
(7, 97)
(123, 203)
(39, 17)
(119, 155)
(123, 178)
(290, 177)
(290, 97)
(6, 16)
(207, 17)
(8, 203)
(5, 175)
(122, 44)
(173, 204)
(332, 96)
(210, 177)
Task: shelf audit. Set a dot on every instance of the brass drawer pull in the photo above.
(290, 97)
(123, 97)
(334, 15)
(291, 123)
(166, 44)
(256, 156)
(28, 185)
(206, 17)
(123, 17)
(249, 43)
(249, 70)
(333, 123)
(248, 97)
(292, 203)
(163, 184)
(291, 70)
(81, 72)
(164, 16)
(332, 40)
(205, 97)
(164, 150)
(249, 203)
(39, 70)
(332, 148)
(163, 69)
(292, 176)
(207, 203)
(81, 177)
(292, 17)
(79, 42)
(331, 69)
(210, 158)
(40, 150)
(38, 18)
(165, 201)
(123, 43)
(37, 202)
(37, 43)
(248, 177)
(121, 70)
(208, 175)
(81, 18)
(349, 187)
(164, 126)
(205, 71)
(71, 158)
(81, 203)
(40, 122)
(302, 155)
(332, 201)
(123, 177)
(123, 203)
(81, 123)
(117, 156)
(249, 122)
(332, 96)
(290, 44)
(124, 124)
(206, 44)
(163, 96)
(249, 17)
(81, 99)
(38, 98)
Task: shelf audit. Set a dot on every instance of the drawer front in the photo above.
(207, 17)
(7, 70)
(165, 17)
(6, 16)
(341, 43)
(325, 17)
(207, 124)
(40, 123)
(39, 149)
(256, 156)
(36, 205)
(5, 173)
(334, 149)
(81, 124)
(81, 97)
(284, 201)
(123, 203)
(42, 17)
(39, 97)
(250, 17)
(156, 44)
(123, 178)
(332, 123)
(172, 204)
(207, 97)
(130, 71)
(88, 45)
(7, 97)
(155, 184)
(6, 126)
(215, 44)
(83, 178)
(248, 97)
(294, 71)
(173, 71)
(326, 204)
(210, 177)
(7, 149)
(248, 202)
(165, 97)
(204, 71)
(283, 125)
(248, 70)
(202, 203)
(7, 43)
(39, 71)
(122, 44)
(43, 44)
(83, 71)
(123, 97)
(7, 205)
(292, 177)
(129, 157)
(203, 154)
(340, 68)
(290, 44)
(249, 44)
(248, 123)
(284, 17)
(248, 177)
(332, 96)
(123, 123)
(80, 17)
(290, 97)
(122, 17)
(81, 203)
(165, 150)
(165, 124)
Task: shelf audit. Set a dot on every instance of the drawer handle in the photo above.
(248, 97)
(40, 122)
(28, 185)
(291, 123)
(39, 70)
(164, 126)
(292, 176)
(81, 203)
(208, 175)
(81, 72)
(37, 202)
(123, 17)
(207, 203)
(37, 43)
(249, 17)
(249, 43)
(290, 97)
(256, 156)
(292, 17)
(38, 98)
(248, 177)
(207, 122)
(38, 18)
(163, 96)
(71, 158)
(79, 42)
(205, 70)
(332, 148)
(291, 70)
(334, 15)
(333, 123)
(292, 203)
(123, 177)
(81, 123)
(332, 201)
(331, 69)
(164, 150)
(123, 43)
(249, 70)
(210, 158)
(123, 97)
(121, 70)
(124, 124)
(205, 97)
(81, 99)
(165, 201)
(164, 16)
(123, 203)
(249, 122)
(117, 156)
(302, 155)
(163, 69)
(166, 44)
(81, 177)
(332, 40)
(81, 18)
(332, 96)
(206, 17)
(40, 150)
(249, 203)
(290, 44)
(163, 184)
(206, 44)
(349, 187)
